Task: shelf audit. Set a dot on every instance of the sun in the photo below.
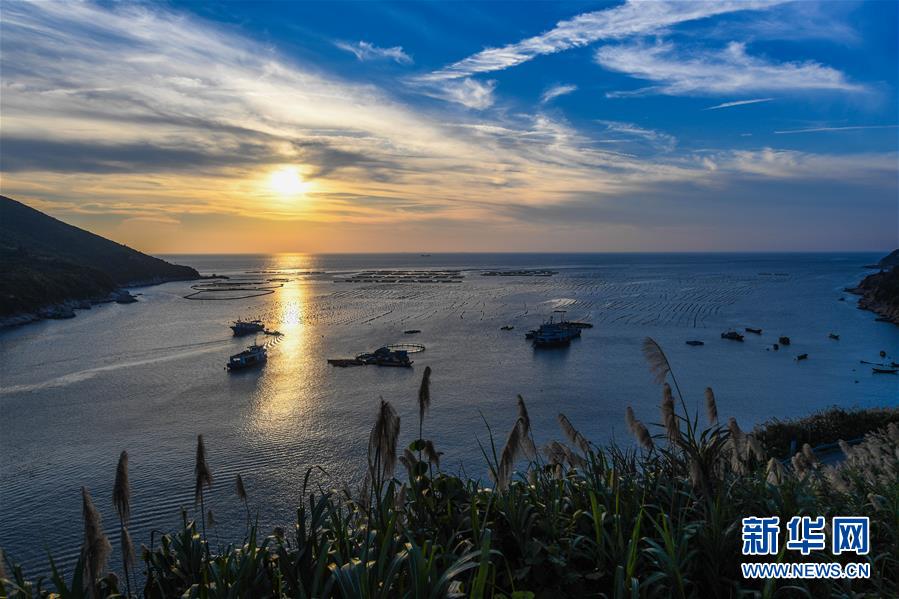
(287, 181)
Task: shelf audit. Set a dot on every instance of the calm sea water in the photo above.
(149, 377)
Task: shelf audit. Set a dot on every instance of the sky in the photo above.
(257, 127)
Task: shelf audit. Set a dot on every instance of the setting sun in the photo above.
(287, 181)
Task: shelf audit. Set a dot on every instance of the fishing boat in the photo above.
(555, 333)
(885, 370)
(254, 355)
(801, 357)
(411, 331)
(695, 342)
(732, 335)
(247, 327)
(751, 330)
(506, 327)
(784, 340)
(834, 336)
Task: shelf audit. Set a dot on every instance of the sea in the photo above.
(149, 377)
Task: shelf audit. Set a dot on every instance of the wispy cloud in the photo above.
(831, 129)
(468, 92)
(367, 51)
(624, 132)
(738, 103)
(679, 72)
(632, 18)
(555, 91)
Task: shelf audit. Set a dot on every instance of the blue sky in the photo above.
(752, 125)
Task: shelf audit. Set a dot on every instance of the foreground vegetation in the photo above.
(578, 520)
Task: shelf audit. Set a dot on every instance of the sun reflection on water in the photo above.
(283, 394)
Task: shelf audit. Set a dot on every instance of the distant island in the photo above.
(880, 291)
(49, 268)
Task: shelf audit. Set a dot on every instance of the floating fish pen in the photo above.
(395, 355)
(403, 276)
(519, 273)
(223, 290)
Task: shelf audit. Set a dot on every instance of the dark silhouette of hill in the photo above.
(44, 261)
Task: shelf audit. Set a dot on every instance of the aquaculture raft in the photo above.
(396, 355)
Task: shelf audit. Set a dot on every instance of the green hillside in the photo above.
(45, 261)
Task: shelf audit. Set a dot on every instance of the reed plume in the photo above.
(844, 447)
(573, 434)
(643, 436)
(96, 546)
(242, 495)
(755, 447)
(241, 490)
(408, 460)
(382, 444)
(203, 478)
(511, 451)
(424, 398)
(656, 359)
(776, 472)
(121, 499)
(554, 452)
(669, 419)
(809, 454)
(711, 406)
(121, 490)
(630, 419)
(432, 454)
(127, 553)
(530, 449)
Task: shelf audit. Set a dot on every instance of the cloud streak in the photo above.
(738, 103)
(555, 91)
(832, 129)
(364, 51)
(635, 17)
(676, 72)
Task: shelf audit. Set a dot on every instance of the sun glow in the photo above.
(287, 181)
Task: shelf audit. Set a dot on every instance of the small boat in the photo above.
(247, 327)
(834, 336)
(801, 357)
(695, 343)
(530, 334)
(784, 340)
(411, 331)
(885, 370)
(507, 327)
(775, 347)
(732, 335)
(751, 330)
(254, 355)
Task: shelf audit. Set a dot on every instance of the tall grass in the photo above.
(573, 520)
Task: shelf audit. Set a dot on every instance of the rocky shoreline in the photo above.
(66, 309)
(880, 292)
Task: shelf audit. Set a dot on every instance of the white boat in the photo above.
(254, 355)
(246, 327)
